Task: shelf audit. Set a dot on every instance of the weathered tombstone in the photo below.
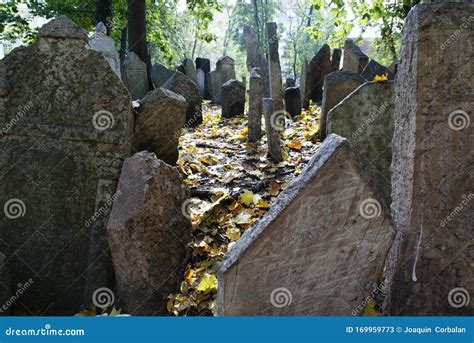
(274, 123)
(304, 72)
(274, 67)
(255, 106)
(160, 74)
(255, 58)
(189, 69)
(148, 233)
(161, 116)
(318, 251)
(430, 267)
(5, 286)
(337, 86)
(225, 71)
(134, 76)
(318, 67)
(233, 99)
(201, 82)
(290, 82)
(293, 101)
(354, 59)
(181, 69)
(365, 118)
(59, 164)
(205, 65)
(106, 46)
(374, 68)
(336, 60)
(183, 85)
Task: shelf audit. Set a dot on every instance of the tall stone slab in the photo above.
(373, 68)
(106, 46)
(233, 99)
(318, 67)
(190, 69)
(304, 72)
(255, 106)
(337, 86)
(293, 101)
(354, 59)
(318, 251)
(336, 60)
(148, 233)
(255, 58)
(160, 74)
(135, 76)
(225, 71)
(70, 123)
(365, 118)
(276, 86)
(430, 269)
(201, 82)
(204, 64)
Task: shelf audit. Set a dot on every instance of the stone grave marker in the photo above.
(160, 74)
(354, 59)
(134, 76)
(318, 67)
(255, 106)
(374, 68)
(106, 46)
(336, 60)
(293, 101)
(233, 99)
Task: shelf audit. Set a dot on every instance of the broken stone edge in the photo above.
(331, 144)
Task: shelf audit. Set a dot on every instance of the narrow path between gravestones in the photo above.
(232, 184)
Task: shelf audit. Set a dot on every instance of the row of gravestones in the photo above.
(394, 198)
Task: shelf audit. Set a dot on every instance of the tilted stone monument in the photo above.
(160, 74)
(255, 106)
(204, 64)
(106, 45)
(274, 124)
(161, 116)
(373, 68)
(430, 268)
(60, 161)
(148, 233)
(365, 118)
(354, 59)
(336, 60)
(318, 67)
(337, 86)
(255, 58)
(233, 99)
(318, 251)
(293, 101)
(135, 76)
(190, 69)
(276, 89)
(225, 71)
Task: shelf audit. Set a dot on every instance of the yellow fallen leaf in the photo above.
(208, 283)
(379, 78)
(233, 233)
(370, 310)
(295, 144)
(246, 197)
(263, 204)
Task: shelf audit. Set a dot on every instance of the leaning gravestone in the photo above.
(204, 64)
(233, 99)
(134, 76)
(160, 74)
(373, 68)
(354, 59)
(255, 58)
(255, 106)
(274, 68)
(365, 118)
(190, 69)
(318, 67)
(293, 101)
(318, 251)
(337, 86)
(225, 71)
(336, 60)
(106, 45)
(430, 269)
(183, 85)
(59, 164)
(161, 116)
(304, 71)
(201, 82)
(148, 233)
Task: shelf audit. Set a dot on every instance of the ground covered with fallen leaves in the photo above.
(233, 184)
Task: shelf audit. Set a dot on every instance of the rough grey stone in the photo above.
(134, 76)
(336, 60)
(274, 67)
(233, 99)
(148, 233)
(190, 69)
(204, 64)
(160, 75)
(354, 59)
(432, 179)
(290, 82)
(69, 125)
(201, 82)
(337, 86)
(272, 130)
(106, 46)
(225, 71)
(255, 106)
(318, 67)
(293, 101)
(255, 58)
(374, 68)
(183, 85)
(318, 251)
(161, 116)
(365, 118)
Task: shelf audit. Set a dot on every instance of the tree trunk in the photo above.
(137, 29)
(103, 13)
